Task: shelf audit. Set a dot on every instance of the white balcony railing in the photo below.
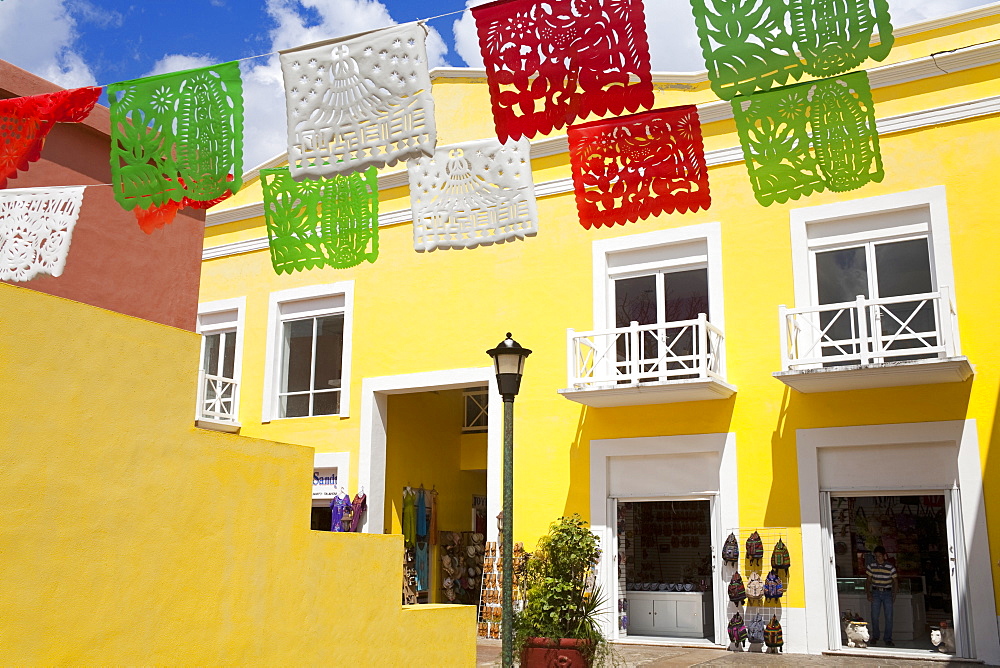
(218, 398)
(639, 354)
(868, 331)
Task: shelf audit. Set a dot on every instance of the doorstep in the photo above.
(913, 655)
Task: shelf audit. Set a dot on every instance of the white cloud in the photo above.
(175, 62)
(40, 36)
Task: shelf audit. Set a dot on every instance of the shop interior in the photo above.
(435, 482)
(665, 569)
(913, 531)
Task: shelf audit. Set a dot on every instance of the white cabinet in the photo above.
(664, 613)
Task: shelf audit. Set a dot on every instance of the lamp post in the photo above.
(508, 361)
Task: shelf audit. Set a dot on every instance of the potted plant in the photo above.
(558, 623)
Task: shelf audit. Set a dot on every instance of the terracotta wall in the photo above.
(112, 263)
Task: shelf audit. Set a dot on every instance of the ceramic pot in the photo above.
(561, 652)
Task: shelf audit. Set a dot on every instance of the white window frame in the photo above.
(275, 323)
(936, 231)
(207, 309)
(604, 274)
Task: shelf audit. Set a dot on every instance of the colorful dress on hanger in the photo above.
(409, 520)
(421, 513)
(360, 506)
(339, 506)
(423, 579)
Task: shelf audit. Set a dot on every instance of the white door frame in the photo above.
(374, 425)
(979, 608)
(725, 509)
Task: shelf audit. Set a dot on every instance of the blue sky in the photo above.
(87, 42)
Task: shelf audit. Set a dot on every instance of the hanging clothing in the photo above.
(409, 520)
(434, 520)
(339, 506)
(360, 505)
(423, 572)
(421, 514)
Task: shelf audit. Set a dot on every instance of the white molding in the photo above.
(962, 434)
(235, 248)
(238, 304)
(601, 450)
(334, 460)
(272, 361)
(374, 427)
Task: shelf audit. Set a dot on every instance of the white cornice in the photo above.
(893, 124)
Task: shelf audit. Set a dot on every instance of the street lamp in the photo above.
(508, 361)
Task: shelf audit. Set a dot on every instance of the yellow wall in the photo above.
(456, 304)
(130, 537)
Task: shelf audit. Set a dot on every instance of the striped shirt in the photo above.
(881, 575)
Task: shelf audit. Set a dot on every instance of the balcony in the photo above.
(868, 343)
(646, 364)
(218, 400)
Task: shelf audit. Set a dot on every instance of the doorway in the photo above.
(665, 569)
(914, 531)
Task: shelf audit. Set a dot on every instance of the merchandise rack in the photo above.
(768, 537)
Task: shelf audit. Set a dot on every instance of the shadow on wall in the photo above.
(949, 401)
(633, 422)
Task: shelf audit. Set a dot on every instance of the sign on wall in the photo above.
(324, 483)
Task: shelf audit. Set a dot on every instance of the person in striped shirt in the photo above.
(881, 587)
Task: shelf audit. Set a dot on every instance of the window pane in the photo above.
(903, 268)
(229, 354)
(210, 364)
(635, 300)
(841, 275)
(685, 294)
(298, 355)
(326, 403)
(296, 405)
(329, 352)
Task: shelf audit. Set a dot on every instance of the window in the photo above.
(220, 324)
(663, 282)
(477, 402)
(308, 350)
(872, 281)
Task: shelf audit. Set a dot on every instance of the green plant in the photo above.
(561, 597)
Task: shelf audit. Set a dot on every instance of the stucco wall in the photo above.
(130, 537)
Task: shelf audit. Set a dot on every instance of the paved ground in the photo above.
(657, 656)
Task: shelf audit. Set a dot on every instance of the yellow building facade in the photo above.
(839, 393)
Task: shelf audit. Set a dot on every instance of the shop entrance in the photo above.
(665, 569)
(914, 531)
(436, 490)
